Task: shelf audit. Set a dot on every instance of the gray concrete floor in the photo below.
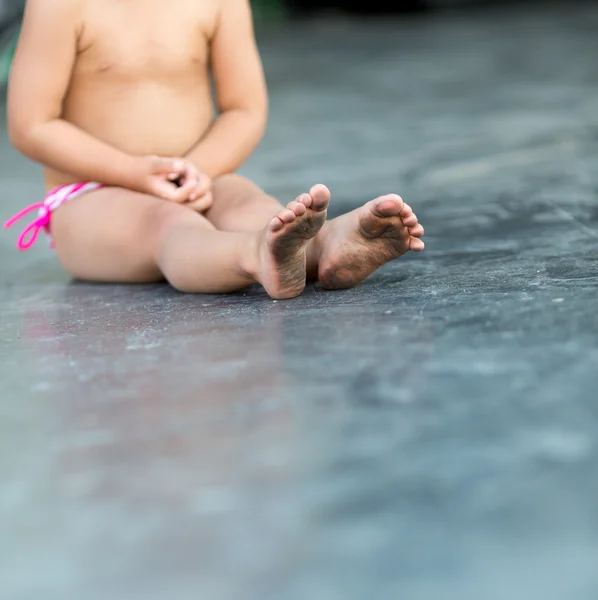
(429, 435)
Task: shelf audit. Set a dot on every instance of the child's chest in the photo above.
(146, 38)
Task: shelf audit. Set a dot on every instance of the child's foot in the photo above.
(355, 245)
(282, 248)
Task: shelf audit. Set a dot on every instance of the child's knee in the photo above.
(235, 189)
(163, 217)
(231, 180)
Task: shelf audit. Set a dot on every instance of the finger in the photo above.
(168, 191)
(168, 165)
(198, 191)
(185, 190)
(203, 204)
(165, 190)
(180, 190)
(195, 194)
(204, 185)
(189, 173)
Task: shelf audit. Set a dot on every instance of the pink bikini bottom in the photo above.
(45, 209)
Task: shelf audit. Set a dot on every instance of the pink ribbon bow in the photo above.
(31, 232)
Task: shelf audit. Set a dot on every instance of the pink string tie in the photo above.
(32, 231)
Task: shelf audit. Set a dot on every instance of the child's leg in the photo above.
(347, 250)
(240, 205)
(121, 236)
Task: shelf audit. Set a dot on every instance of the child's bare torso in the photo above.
(141, 78)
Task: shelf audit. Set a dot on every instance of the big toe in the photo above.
(387, 206)
(318, 198)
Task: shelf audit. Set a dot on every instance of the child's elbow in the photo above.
(259, 130)
(260, 121)
(22, 125)
(18, 137)
(21, 135)
(19, 131)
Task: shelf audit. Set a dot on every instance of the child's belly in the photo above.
(142, 119)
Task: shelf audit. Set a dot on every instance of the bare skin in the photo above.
(119, 93)
(359, 243)
(176, 243)
(284, 242)
(347, 250)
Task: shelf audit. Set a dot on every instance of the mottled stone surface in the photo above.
(429, 435)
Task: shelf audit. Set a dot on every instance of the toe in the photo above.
(320, 196)
(389, 206)
(276, 224)
(298, 208)
(417, 231)
(287, 215)
(416, 244)
(406, 211)
(305, 199)
(410, 221)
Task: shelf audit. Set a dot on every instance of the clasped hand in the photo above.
(177, 180)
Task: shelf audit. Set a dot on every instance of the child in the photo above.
(113, 98)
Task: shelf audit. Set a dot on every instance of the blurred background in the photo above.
(429, 435)
(11, 10)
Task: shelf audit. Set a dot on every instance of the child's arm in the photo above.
(39, 80)
(241, 94)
